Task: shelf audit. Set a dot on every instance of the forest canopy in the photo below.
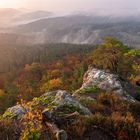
(43, 68)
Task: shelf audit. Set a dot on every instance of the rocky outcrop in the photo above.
(64, 102)
(59, 104)
(109, 82)
(54, 103)
(57, 108)
(60, 107)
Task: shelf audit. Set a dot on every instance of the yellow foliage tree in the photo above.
(1, 93)
(53, 84)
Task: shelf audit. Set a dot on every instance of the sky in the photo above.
(73, 5)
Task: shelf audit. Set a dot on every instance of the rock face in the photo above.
(108, 82)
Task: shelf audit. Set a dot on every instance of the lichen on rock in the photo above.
(63, 104)
(108, 82)
(14, 112)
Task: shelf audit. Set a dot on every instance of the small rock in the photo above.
(15, 112)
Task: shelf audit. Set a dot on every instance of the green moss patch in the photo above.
(87, 101)
(67, 108)
(9, 115)
(89, 90)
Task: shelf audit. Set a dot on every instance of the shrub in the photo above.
(108, 99)
(8, 130)
(117, 125)
(138, 94)
(31, 126)
(53, 84)
(135, 109)
(112, 102)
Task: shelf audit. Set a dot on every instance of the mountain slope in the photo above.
(10, 17)
(84, 29)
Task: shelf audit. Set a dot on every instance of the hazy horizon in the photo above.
(105, 7)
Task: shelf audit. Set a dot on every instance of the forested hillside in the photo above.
(16, 56)
(24, 68)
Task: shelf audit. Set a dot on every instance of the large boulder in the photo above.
(62, 103)
(109, 82)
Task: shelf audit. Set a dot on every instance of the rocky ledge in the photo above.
(108, 82)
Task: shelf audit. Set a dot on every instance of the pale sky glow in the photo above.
(71, 5)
